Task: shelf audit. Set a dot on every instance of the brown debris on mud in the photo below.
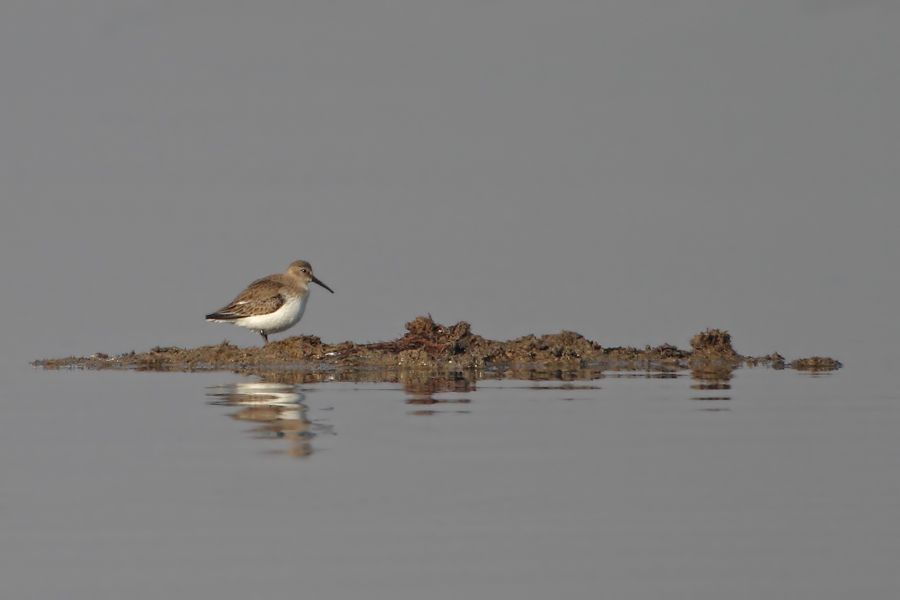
(430, 345)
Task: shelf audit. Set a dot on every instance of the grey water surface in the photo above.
(773, 484)
(633, 170)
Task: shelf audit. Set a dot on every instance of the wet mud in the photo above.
(431, 346)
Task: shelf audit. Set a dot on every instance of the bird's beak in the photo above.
(316, 280)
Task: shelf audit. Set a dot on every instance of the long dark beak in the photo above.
(316, 280)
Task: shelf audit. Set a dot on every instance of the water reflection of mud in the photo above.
(643, 375)
(421, 387)
(712, 377)
(277, 410)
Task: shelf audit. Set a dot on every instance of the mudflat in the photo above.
(433, 346)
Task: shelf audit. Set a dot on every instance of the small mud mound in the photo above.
(816, 363)
(565, 347)
(431, 345)
(432, 339)
(713, 345)
(631, 357)
(774, 360)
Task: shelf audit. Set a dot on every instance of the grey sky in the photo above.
(632, 170)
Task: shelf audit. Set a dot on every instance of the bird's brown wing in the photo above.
(261, 297)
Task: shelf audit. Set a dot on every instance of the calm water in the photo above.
(772, 484)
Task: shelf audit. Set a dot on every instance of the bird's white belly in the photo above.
(283, 318)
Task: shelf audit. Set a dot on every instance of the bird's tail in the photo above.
(220, 316)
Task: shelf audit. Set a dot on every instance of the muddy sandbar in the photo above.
(433, 346)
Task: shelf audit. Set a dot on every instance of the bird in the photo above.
(272, 303)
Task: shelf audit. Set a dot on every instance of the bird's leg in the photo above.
(265, 337)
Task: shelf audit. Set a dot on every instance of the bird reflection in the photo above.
(278, 409)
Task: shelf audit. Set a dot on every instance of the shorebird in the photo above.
(271, 304)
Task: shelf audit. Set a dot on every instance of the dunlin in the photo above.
(271, 304)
